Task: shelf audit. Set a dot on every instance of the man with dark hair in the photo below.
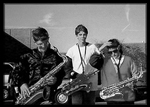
(35, 65)
(117, 69)
(79, 55)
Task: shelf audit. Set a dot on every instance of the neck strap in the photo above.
(82, 59)
(119, 75)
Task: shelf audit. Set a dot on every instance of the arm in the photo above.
(96, 61)
(59, 75)
(133, 69)
(21, 76)
(59, 78)
(69, 69)
(103, 46)
(23, 72)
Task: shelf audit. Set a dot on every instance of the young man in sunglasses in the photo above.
(116, 69)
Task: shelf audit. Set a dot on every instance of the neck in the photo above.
(43, 51)
(81, 44)
(117, 57)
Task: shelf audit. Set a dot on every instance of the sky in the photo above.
(126, 22)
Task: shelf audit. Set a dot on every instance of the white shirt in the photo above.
(74, 54)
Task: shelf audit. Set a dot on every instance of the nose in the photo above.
(113, 54)
(84, 35)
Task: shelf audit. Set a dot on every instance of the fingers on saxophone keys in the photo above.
(70, 80)
(23, 94)
(26, 93)
(50, 79)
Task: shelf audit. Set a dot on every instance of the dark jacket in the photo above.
(97, 61)
(32, 66)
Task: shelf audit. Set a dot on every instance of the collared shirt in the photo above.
(116, 61)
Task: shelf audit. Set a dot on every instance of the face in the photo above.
(42, 45)
(114, 52)
(81, 36)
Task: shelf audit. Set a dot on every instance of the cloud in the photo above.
(127, 11)
(125, 27)
(48, 19)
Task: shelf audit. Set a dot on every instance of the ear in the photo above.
(119, 47)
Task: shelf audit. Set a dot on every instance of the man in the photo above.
(116, 69)
(79, 55)
(36, 64)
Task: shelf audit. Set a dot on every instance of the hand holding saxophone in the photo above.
(50, 81)
(24, 90)
(73, 75)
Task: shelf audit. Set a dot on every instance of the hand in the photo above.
(73, 75)
(50, 80)
(104, 45)
(24, 90)
(70, 80)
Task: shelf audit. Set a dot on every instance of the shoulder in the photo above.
(91, 46)
(72, 48)
(128, 58)
(108, 61)
(26, 55)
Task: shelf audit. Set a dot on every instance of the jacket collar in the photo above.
(114, 62)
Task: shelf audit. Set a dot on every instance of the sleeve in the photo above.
(69, 53)
(21, 73)
(96, 61)
(68, 67)
(133, 68)
(100, 51)
(60, 75)
(96, 50)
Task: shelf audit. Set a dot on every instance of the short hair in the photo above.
(81, 28)
(40, 34)
(115, 44)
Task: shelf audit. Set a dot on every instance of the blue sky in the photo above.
(126, 22)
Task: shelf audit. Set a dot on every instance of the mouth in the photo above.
(83, 39)
(41, 49)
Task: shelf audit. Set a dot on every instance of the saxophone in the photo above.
(79, 83)
(35, 89)
(114, 89)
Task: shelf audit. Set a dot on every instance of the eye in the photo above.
(80, 34)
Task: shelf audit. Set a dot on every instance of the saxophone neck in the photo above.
(65, 59)
(93, 73)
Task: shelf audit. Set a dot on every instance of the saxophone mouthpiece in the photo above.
(54, 48)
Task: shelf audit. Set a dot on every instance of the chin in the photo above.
(114, 56)
(41, 50)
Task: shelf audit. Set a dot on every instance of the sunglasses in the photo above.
(114, 51)
(40, 39)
